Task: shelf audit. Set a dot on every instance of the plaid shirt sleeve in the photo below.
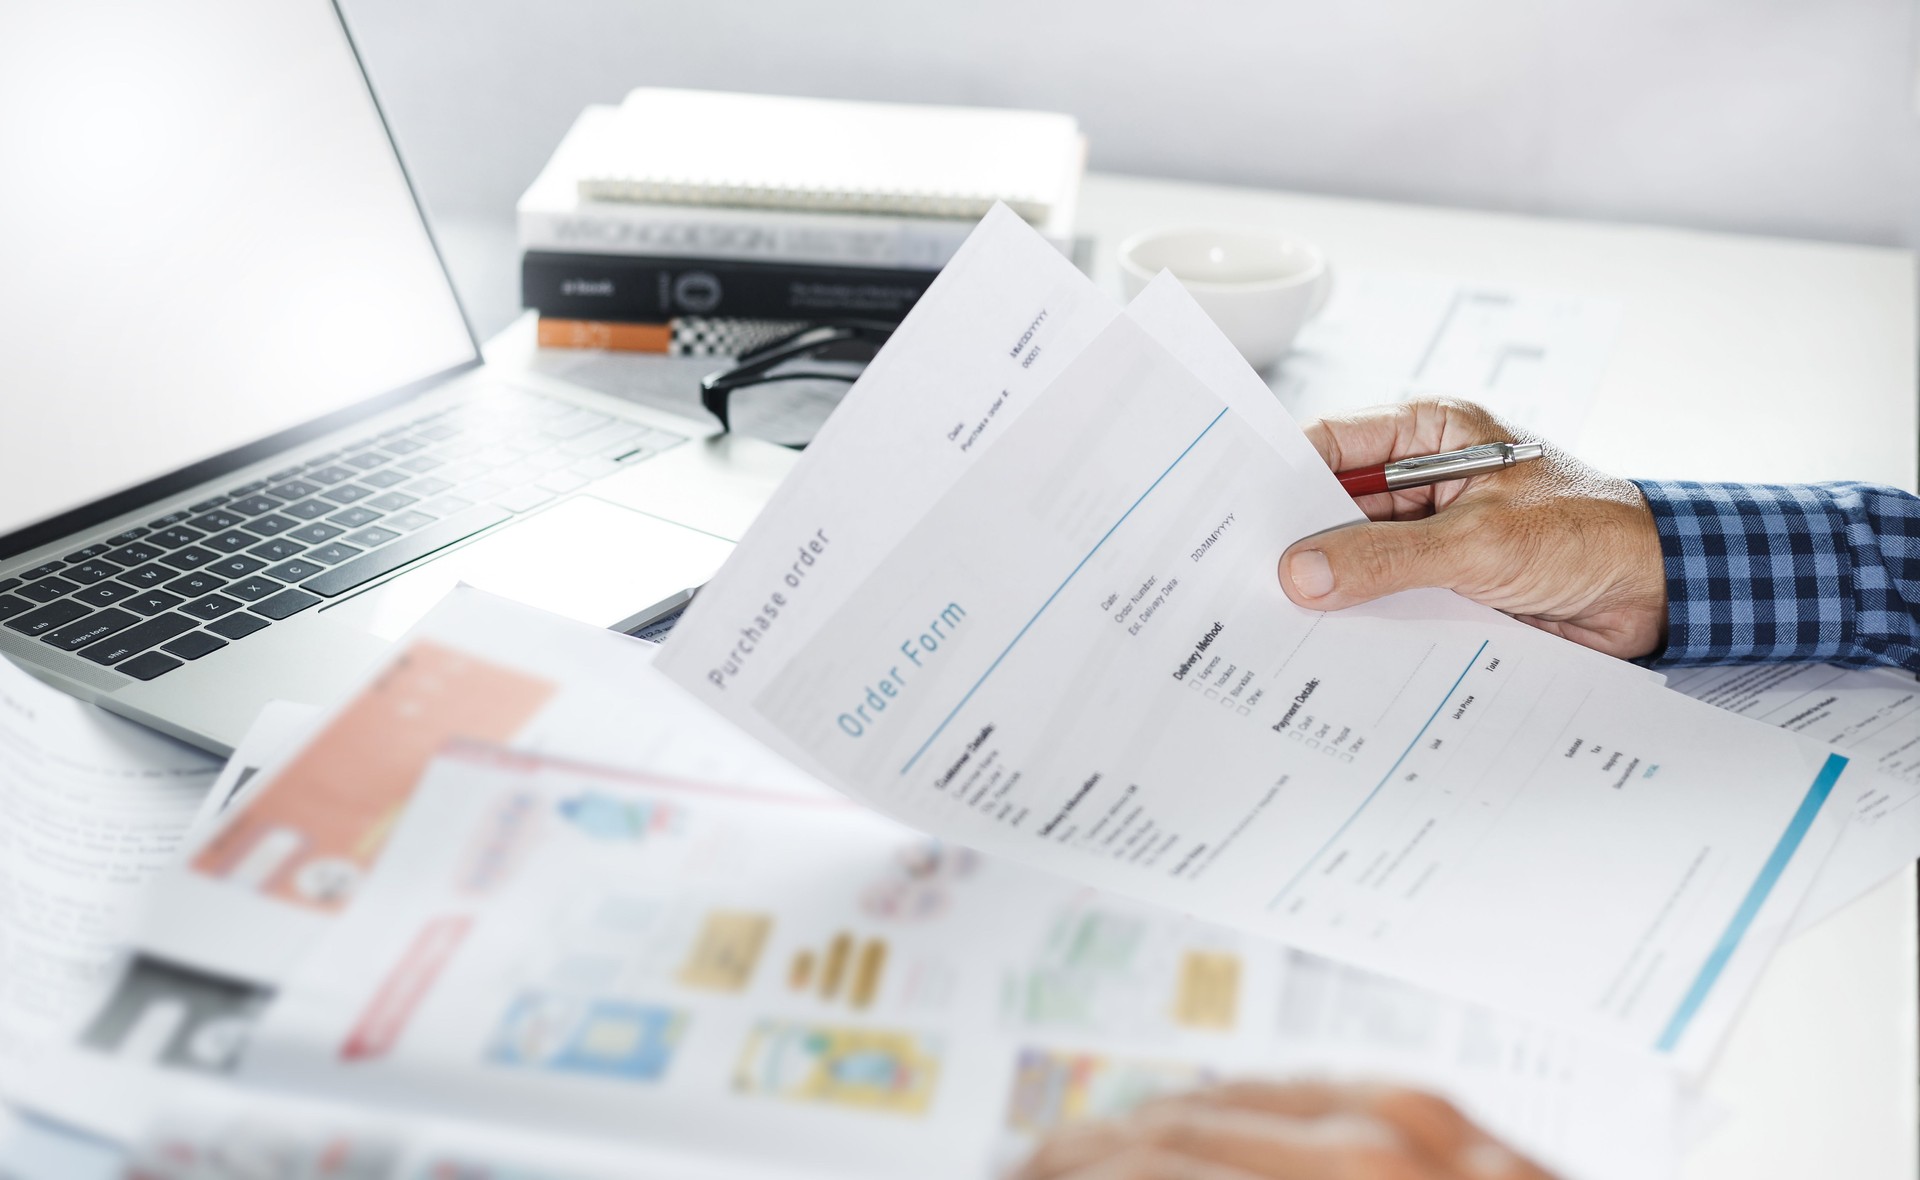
(1765, 573)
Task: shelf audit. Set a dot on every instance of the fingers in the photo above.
(1427, 1123)
(1362, 562)
(1194, 1140)
(1381, 434)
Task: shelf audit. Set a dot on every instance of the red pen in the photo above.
(1421, 470)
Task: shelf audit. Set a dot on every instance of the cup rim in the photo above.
(1311, 274)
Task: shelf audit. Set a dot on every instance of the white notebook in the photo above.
(696, 147)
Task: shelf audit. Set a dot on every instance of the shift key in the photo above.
(139, 638)
(361, 570)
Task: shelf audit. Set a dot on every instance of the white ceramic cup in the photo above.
(1259, 287)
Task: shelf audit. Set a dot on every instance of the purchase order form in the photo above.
(1021, 593)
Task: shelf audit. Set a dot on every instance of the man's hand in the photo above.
(1301, 1131)
(1551, 542)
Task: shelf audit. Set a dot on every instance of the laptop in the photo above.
(247, 435)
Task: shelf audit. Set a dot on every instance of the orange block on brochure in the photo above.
(313, 831)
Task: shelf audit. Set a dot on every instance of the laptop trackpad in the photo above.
(585, 558)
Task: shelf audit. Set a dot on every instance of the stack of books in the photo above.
(704, 224)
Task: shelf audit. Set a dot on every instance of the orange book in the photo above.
(605, 334)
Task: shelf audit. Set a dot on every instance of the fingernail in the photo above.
(1488, 1159)
(1309, 572)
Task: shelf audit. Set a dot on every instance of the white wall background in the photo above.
(1790, 117)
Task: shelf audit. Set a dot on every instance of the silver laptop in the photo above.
(246, 434)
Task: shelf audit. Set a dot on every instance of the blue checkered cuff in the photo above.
(1763, 573)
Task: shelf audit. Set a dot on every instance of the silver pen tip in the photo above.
(1523, 451)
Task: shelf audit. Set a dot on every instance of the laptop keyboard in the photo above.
(185, 585)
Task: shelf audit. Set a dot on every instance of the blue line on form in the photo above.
(941, 728)
(1750, 906)
(1341, 830)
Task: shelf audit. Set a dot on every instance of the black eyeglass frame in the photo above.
(756, 367)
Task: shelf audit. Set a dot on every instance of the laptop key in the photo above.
(176, 536)
(285, 603)
(103, 593)
(152, 602)
(421, 463)
(138, 638)
(211, 607)
(347, 493)
(247, 489)
(41, 571)
(295, 570)
(385, 478)
(393, 501)
(190, 558)
(131, 535)
(89, 553)
(367, 460)
(11, 606)
(271, 523)
(253, 589)
(169, 518)
(45, 619)
(408, 521)
(332, 554)
(361, 570)
(231, 541)
(278, 549)
(94, 627)
(314, 534)
(353, 518)
(308, 509)
(7, 584)
(293, 489)
(404, 446)
(253, 505)
(204, 505)
(148, 666)
(194, 585)
(332, 474)
(440, 433)
(152, 574)
(47, 589)
(236, 567)
(285, 472)
(89, 572)
(432, 485)
(134, 554)
(369, 537)
(193, 645)
(218, 519)
(237, 626)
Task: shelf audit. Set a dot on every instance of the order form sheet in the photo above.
(1077, 655)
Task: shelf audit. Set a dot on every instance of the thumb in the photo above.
(1347, 566)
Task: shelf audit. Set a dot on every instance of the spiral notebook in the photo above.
(696, 147)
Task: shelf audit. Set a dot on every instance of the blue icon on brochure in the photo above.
(613, 817)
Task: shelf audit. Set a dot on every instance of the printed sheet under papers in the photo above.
(1083, 1002)
(92, 807)
(1020, 594)
(660, 962)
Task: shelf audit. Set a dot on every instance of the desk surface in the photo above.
(1738, 358)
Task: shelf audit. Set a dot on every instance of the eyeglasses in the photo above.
(790, 390)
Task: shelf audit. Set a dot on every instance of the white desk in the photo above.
(1739, 358)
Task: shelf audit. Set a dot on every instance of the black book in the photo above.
(654, 290)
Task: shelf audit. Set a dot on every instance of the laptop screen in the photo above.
(205, 239)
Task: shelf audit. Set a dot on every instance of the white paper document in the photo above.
(1533, 357)
(657, 963)
(289, 855)
(1872, 715)
(1064, 642)
(92, 807)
